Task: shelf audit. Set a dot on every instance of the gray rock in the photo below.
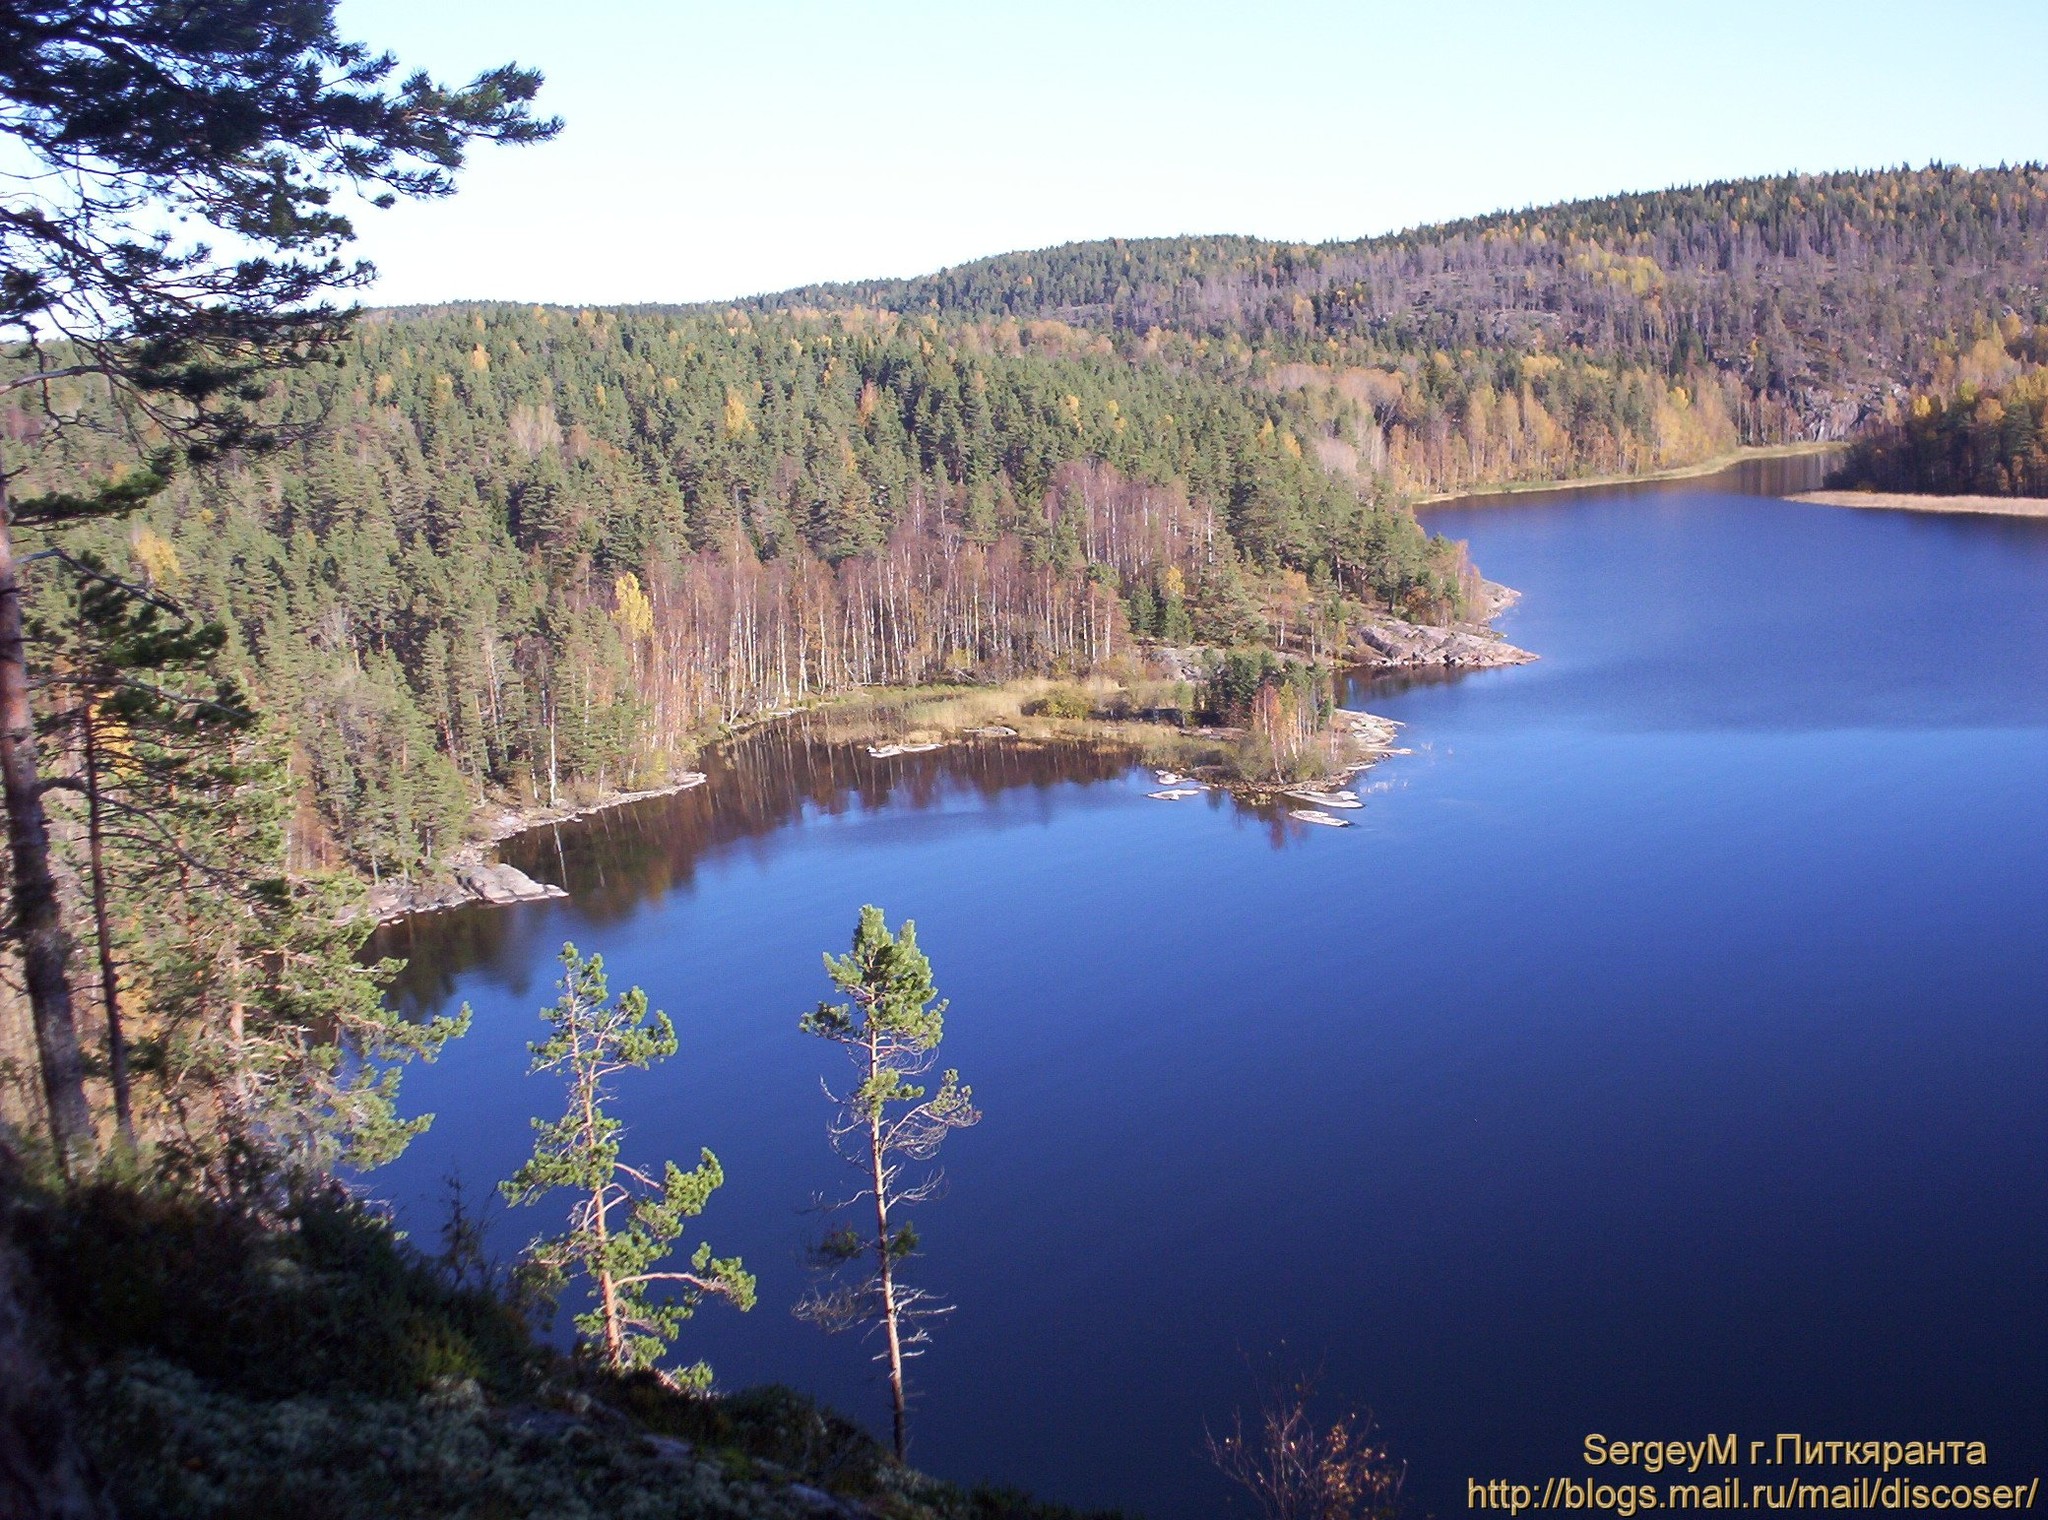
(1187, 663)
(671, 1449)
(548, 1424)
(1391, 643)
(1494, 599)
(496, 882)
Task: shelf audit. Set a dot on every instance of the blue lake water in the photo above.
(1662, 1053)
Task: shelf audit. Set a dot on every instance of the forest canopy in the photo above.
(1977, 426)
(1814, 294)
(534, 549)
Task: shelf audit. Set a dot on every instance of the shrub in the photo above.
(1066, 701)
(311, 1363)
(325, 1299)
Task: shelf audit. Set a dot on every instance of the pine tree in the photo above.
(127, 120)
(141, 704)
(270, 1048)
(624, 1221)
(890, 1026)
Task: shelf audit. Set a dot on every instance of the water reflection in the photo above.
(623, 857)
(1783, 475)
(1363, 687)
(620, 859)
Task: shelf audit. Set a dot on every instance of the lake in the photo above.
(1662, 1053)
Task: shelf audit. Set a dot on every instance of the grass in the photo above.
(1151, 720)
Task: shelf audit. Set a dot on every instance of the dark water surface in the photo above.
(1662, 1053)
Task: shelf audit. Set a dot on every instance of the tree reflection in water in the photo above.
(617, 860)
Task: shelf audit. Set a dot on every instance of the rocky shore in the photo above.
(1390, 643)
(1385, 642)
(469, 876)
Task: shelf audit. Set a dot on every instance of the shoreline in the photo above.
(512, 820)
(897, 716)
(891, 721)
(1705, 467)
(1922, 501)
(471, 876)
(934, 715)
(1383, 643)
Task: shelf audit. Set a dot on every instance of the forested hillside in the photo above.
(1813, 295)
(301, 603)
(1979, 425)
(532, 551)
(519, 554)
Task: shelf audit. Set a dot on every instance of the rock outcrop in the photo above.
(493, 881)
(1385, 642)
(1389, 643)
(1188, 662)
(471, 879)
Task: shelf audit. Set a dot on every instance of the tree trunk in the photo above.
(38, 922)
(886, 1266)
(608, 1291)
(110, 979)
(607, 1284)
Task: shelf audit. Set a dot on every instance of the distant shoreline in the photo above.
(1704, 467)
(1916, 501)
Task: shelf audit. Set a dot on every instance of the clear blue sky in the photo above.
(720, 150)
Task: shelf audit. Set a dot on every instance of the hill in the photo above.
(528, 551)
(1819, 293)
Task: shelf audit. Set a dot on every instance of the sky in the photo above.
(713, 151)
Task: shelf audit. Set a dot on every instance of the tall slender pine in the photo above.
(890, 1026)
